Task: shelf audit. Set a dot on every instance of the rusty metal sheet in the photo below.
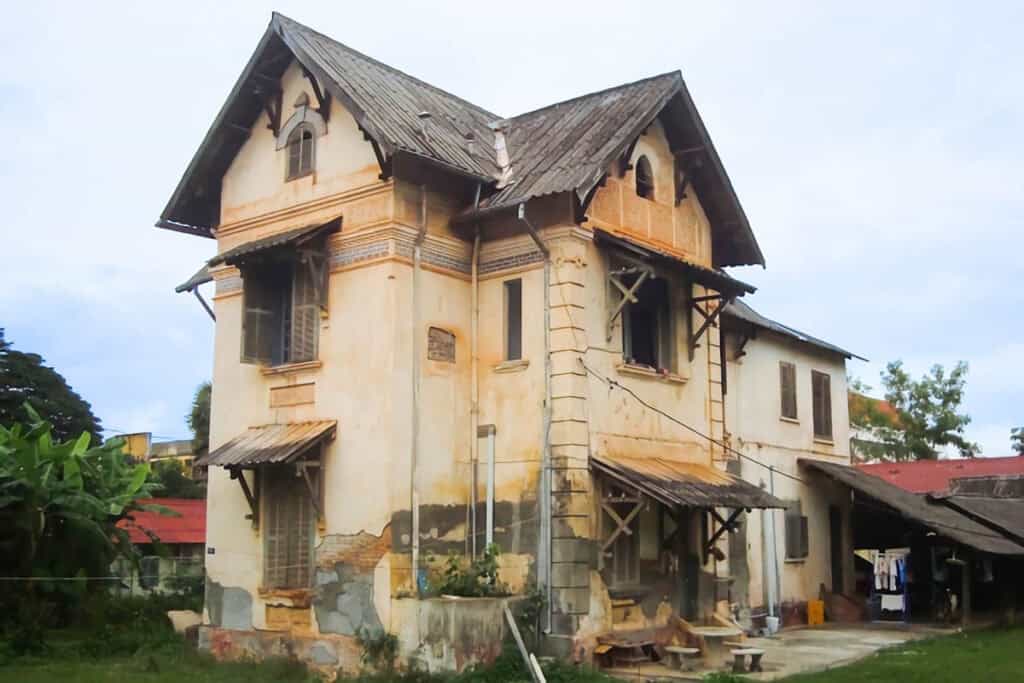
(677, 482)
(271, 444)
(281, 239)
(201, 277)
(917, 508)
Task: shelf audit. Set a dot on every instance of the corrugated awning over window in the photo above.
(271, 444)
(289, 238)
(676, 482)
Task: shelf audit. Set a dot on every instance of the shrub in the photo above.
(478, 580)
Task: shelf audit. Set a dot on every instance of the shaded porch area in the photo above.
(663, 535)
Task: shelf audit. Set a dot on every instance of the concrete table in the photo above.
(716, 652)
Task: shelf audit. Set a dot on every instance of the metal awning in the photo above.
(916, 508)
(289, 238)
(271, 444)
(702, 275)
(201, 277)
(687, 484)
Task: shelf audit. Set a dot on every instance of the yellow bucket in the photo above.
(815, 612)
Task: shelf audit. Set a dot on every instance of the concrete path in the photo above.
(803, 650)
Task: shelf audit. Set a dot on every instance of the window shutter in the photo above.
(787, 388)
(792, 533)
(821, 386)
(305, 313)
(258, 318)
(804, 541)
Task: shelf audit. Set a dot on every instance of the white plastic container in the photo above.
(772, 624)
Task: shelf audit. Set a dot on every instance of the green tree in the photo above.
(1017, 440)
(924, 417)
(26, 381)
(198, 418)
(174, 483)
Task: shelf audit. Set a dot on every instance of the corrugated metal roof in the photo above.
(676, 482)
(561, 148)
(201, 277)
(915, 507)
(709, 277)
(567, 146)
(281, 239)
(741, 311)
(188, 525)
(271, 444)
(928, 476)
(391, 102)
(1002, 514)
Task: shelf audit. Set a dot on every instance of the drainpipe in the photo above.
(770, 554)
(474, 399)
(544, 549)
(489, 431)
(417, 254)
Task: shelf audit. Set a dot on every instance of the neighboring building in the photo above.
(180, 452)
(137, 444)
(183, 537)
(410, 289)
(785, 401)
(934, 476)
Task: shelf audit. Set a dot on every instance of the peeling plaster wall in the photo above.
(753, 406)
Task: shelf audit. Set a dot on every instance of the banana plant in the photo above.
(60, 501)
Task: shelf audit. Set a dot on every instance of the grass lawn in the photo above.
(995, 656)
(983, 657)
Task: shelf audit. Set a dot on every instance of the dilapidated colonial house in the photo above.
(438, 328)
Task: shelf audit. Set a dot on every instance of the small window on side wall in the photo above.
(821, 397)
(644, 178)
(514, 320)
(301, 152)
(797, 540)
(787, 390)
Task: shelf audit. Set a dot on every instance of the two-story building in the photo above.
(438, 328)
(786, 403)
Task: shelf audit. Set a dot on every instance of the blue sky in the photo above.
(878, 149)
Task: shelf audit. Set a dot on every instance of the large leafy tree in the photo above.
(920, 418)
(1017, 440)
(26, 381)
(198, 418)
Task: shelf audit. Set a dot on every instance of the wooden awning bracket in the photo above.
(621, 523)
(251, 498)
(272, 106)
(730, 525)
(302, 469)
(627, 154)
(323, 99)
(628, 292)
(710, 317)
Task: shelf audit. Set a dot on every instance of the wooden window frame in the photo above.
(268, 498)
(664, 332)
(301, 146)
(512, 293)
(644, 177)
(784, 368)
(821, 403)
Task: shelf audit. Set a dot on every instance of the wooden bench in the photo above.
(739, 662)
(682, 657)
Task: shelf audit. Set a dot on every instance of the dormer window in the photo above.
(644, 178)
(301, 151)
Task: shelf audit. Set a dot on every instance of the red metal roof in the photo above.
(927, 476)
(189, 527)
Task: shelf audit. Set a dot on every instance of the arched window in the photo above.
(301, 150)
(644, 178)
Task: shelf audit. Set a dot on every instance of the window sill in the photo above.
(790, 420)
(290, 368)
(794, 560)
(511, 366)
(298, 597)
(649, 373)
(823, 441)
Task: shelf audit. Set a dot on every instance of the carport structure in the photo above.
(887, 516)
